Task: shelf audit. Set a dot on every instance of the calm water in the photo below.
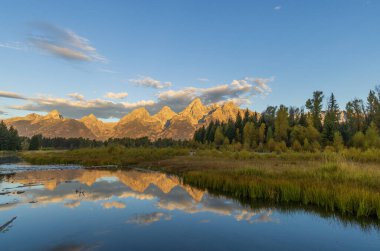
(46, 208)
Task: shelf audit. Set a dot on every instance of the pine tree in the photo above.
(14, 139)
(35, 142)
(355, 115)
(4, 136)
(219, 137)
(230, 130)
(372, 107)
(331, 121)
(314, 105)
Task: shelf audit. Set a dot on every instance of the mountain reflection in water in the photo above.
(109, 189)
(79, 209)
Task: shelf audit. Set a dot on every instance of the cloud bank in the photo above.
(242, 92)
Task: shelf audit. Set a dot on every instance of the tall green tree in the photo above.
(355, 116)
(314, 105)
(249, 134)
(14, 142)
(372, 107)
(4, 136)
(219, 136)
(35, 142)
(261, 133)
(331, 121)
(281, 124)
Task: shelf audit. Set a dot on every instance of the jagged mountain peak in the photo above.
(195, 104)
(166, 111)
(139, 113)
(165, 114)
(194, 111)
(230, 106)
(195, 107)
(54, 114)
(33, 116)
(90, 117)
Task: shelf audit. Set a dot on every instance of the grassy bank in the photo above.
(344, 187)
(345, 183)
(115, 155)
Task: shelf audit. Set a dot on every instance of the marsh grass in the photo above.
(344, 188)
(114, 155)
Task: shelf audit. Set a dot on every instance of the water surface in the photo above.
(56, 208)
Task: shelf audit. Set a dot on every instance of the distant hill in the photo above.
(138, 123)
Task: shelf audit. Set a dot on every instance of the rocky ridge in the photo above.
(138, 123)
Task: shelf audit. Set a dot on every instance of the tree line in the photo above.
(38, 142)
(282, 128)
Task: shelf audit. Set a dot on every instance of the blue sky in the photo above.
(68, 55)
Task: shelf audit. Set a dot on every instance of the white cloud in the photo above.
(4, 94)
(150, 82)
(76, 96)
(119, 95)
(106, 70)
(64, 43)
(240, 91)
(277, 8)
(203, 79)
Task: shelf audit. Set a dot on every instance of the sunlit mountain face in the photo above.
(136, 124)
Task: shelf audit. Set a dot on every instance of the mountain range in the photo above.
(138, 123)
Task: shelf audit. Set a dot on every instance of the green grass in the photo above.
(115, 155)
(343, 187)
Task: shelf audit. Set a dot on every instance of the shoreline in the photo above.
(328, 182)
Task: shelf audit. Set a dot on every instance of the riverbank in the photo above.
(332, 182)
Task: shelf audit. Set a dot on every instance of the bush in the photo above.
(296, 146)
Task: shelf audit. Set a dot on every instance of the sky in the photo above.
(110, 57)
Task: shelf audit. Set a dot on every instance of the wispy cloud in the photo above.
(76, 96)
(203, 79)
(277, 7)
(13, 95)
(64, 43)
(150, 82)
(119, 95)
(106, 70)
(13, 45)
